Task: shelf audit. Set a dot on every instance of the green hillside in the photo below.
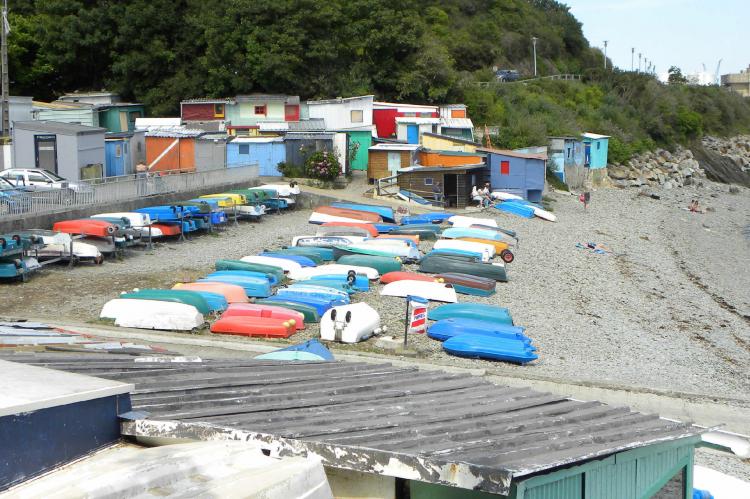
(422, 51)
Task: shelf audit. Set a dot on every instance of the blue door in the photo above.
(114, 158)
(412, 134)
(587, 155)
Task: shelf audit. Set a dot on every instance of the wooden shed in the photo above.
(517, 172)
(386, 159)
(171, 150)
(430, 157)
(456, 182)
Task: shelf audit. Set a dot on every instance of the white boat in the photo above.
(321, 218)
(195, 469)
(350, 323)
(136, 220)
(247, 210)
(400, 251)
(434, 291)
(720, 485)
(152, 314)
(462, 221)
(312, 289)
(544, 214)
(333, 269)
(486, 250)
(505, 196)
(287, 265)
(284, 190)
(104, 244)
(326, 241)
(58, 244)
(337, 230)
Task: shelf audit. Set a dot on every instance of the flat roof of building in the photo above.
(57, 127)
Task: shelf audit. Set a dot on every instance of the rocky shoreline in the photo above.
(680, 168)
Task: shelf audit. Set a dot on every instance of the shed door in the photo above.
(412, 134)
(45, 152)
(394, 162)
(123, 121)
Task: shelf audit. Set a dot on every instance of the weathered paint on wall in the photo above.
(267, 153)
(379, 165)
(522, 176)
(596, 151)
(82, 116)
(170, 153)
(445, 143)
(447, 158)
(343, 114)
(120, 118)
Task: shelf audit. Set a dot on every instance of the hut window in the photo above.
(505, 168)
(598, 145)
(244, 148)
(218, 110)
(118, 151)
(260, 110)
(428, 181)
(357, 116)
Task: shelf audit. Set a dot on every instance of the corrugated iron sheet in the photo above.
(432, 426)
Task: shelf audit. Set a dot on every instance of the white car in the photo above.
(39, 179)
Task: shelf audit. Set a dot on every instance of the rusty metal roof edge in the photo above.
(608, 452)
(454, 474)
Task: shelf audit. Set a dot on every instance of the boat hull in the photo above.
(265, 311)
(350, 323)
(474, 311)
(435, 264)
(484, 347)
(382, 264)
(145, 314)
(385, 212)
(433, 291)
(261, 327)
(232, 293)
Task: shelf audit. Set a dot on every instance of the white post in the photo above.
(605, 53)
(632, 59)
(533, 41)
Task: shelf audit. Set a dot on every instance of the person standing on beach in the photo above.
(437, 193)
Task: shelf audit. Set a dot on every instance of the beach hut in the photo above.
(299, 146)
(123, 151)
(454, 121)
(429, 157)
(441, 142)
(171, 149)
(79, 113)
(517, 172)
(211, 151)
(266, 152)
(246, 113)
(410, 128)
(119, 117)
(204, 109)
(566, 160)
(455, 181)
(595, 151)
(352, 115)
(386, 159)
(384, 116)
(74, 152)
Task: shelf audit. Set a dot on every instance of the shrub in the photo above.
(291, 170)
(322, 165)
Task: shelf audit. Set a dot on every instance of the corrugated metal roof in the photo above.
(431, 426)
(339, 100)
(288, 99)
(309, 136)
(385, 146)
(456, 123)
(256, 140)
(273, 126)
(452, 139)
(594, 136)
(57, 127)
(173, 132)
(392, 105)
(61, 105)
(208, 100)
(308, 125)
(512, 154)
(146, 123)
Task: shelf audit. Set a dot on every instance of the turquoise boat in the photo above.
(255, 287)
(513, 208)
(251, 267)
(319, 257)
(475, 346)
(383, 264)
(216, 302)
(311, 350)
(272, 279)
(360, 283)
(448, 328)
(457, 232)
(339, 286)
(171, 295)
(475, 311)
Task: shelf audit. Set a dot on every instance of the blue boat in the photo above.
(340, 286)
(385, 212)
(216, 302)
(311, 350)
(361, 282)
(410, 196)
(314, 253)
(457, 232)
(385, 228)
(448, 328)
(255, 287)
(513, 208)
(273, 279)
(210, 208)
(426, 218)
(309, 290)
(477, 311)
(320, 306)
(302, 260)
(476, 346)
(169, 213)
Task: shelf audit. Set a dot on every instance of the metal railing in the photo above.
(124, 188)
(565, 77)
(382, 185)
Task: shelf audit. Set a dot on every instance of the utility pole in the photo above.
(645, 65)
(5, 80)
(632, 59)
(639, 62)
(605, 53)
(533, 42)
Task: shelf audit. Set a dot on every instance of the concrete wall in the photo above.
(210, 154)
(90, 151)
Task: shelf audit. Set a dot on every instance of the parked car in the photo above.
(13, 200)
(507, 75)
(39, 179)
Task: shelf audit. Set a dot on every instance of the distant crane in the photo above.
(716, 75)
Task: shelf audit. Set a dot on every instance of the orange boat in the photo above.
(405, 276)
(365, 216)
(368, 227)
(501, 248)
(266, 327)
(232, 292)
(98, 228)
(414, 238)
(168, 229)
(266, 312)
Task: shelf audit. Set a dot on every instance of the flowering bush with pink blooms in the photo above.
(322, 165)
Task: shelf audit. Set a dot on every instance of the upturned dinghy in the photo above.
(308, 311)
(250, 267)
(469, 284)
(501, 247)
(271, 278)
(385, 212)
(435, 264)
(462, 221)
(304, 292)
(448, 328)
(350, 323)
(425, 218)
(334, 268)
(145, 314)
(485, 347)
(346, 229)
(137, 220)
(283, 190)
(319, 305)
(519, 209)
(481, 248)
(283, 263)
(255, 287)
(260, 327)
(352, 283)
(299, 259)
(329, 242)
(58, 245)
(458, 232)
(396, 237)
(86, 227)
(311, 350)
(405, 276)
(265, 311)
(476, 311)
(413, 198)
(232, 293)
(171, 295)
(505, 196)
(382, 264)
(434, 291)
(314, 253)
(216, 301)
(405, 253)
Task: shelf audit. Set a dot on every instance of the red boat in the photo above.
(265, 311)
(264, 327)
(168, 229)
(404, 276)
(368, 227)
(98, 228)
(365, 216)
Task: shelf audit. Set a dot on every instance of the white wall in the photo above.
(338, 113)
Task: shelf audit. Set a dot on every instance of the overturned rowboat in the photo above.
(144, 314)
(350, 323)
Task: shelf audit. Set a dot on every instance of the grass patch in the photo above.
(554, 181)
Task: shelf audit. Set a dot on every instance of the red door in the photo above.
(291, 113)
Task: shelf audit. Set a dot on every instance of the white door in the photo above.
(394, 162)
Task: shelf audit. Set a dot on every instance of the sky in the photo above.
(682, 33)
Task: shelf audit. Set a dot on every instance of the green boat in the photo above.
(325, 254)
(440, 264)
(383, 264)
(254, 196)
(171, 295)
(424, 234)
(310, 313)
(278, 272)
(312, 255)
